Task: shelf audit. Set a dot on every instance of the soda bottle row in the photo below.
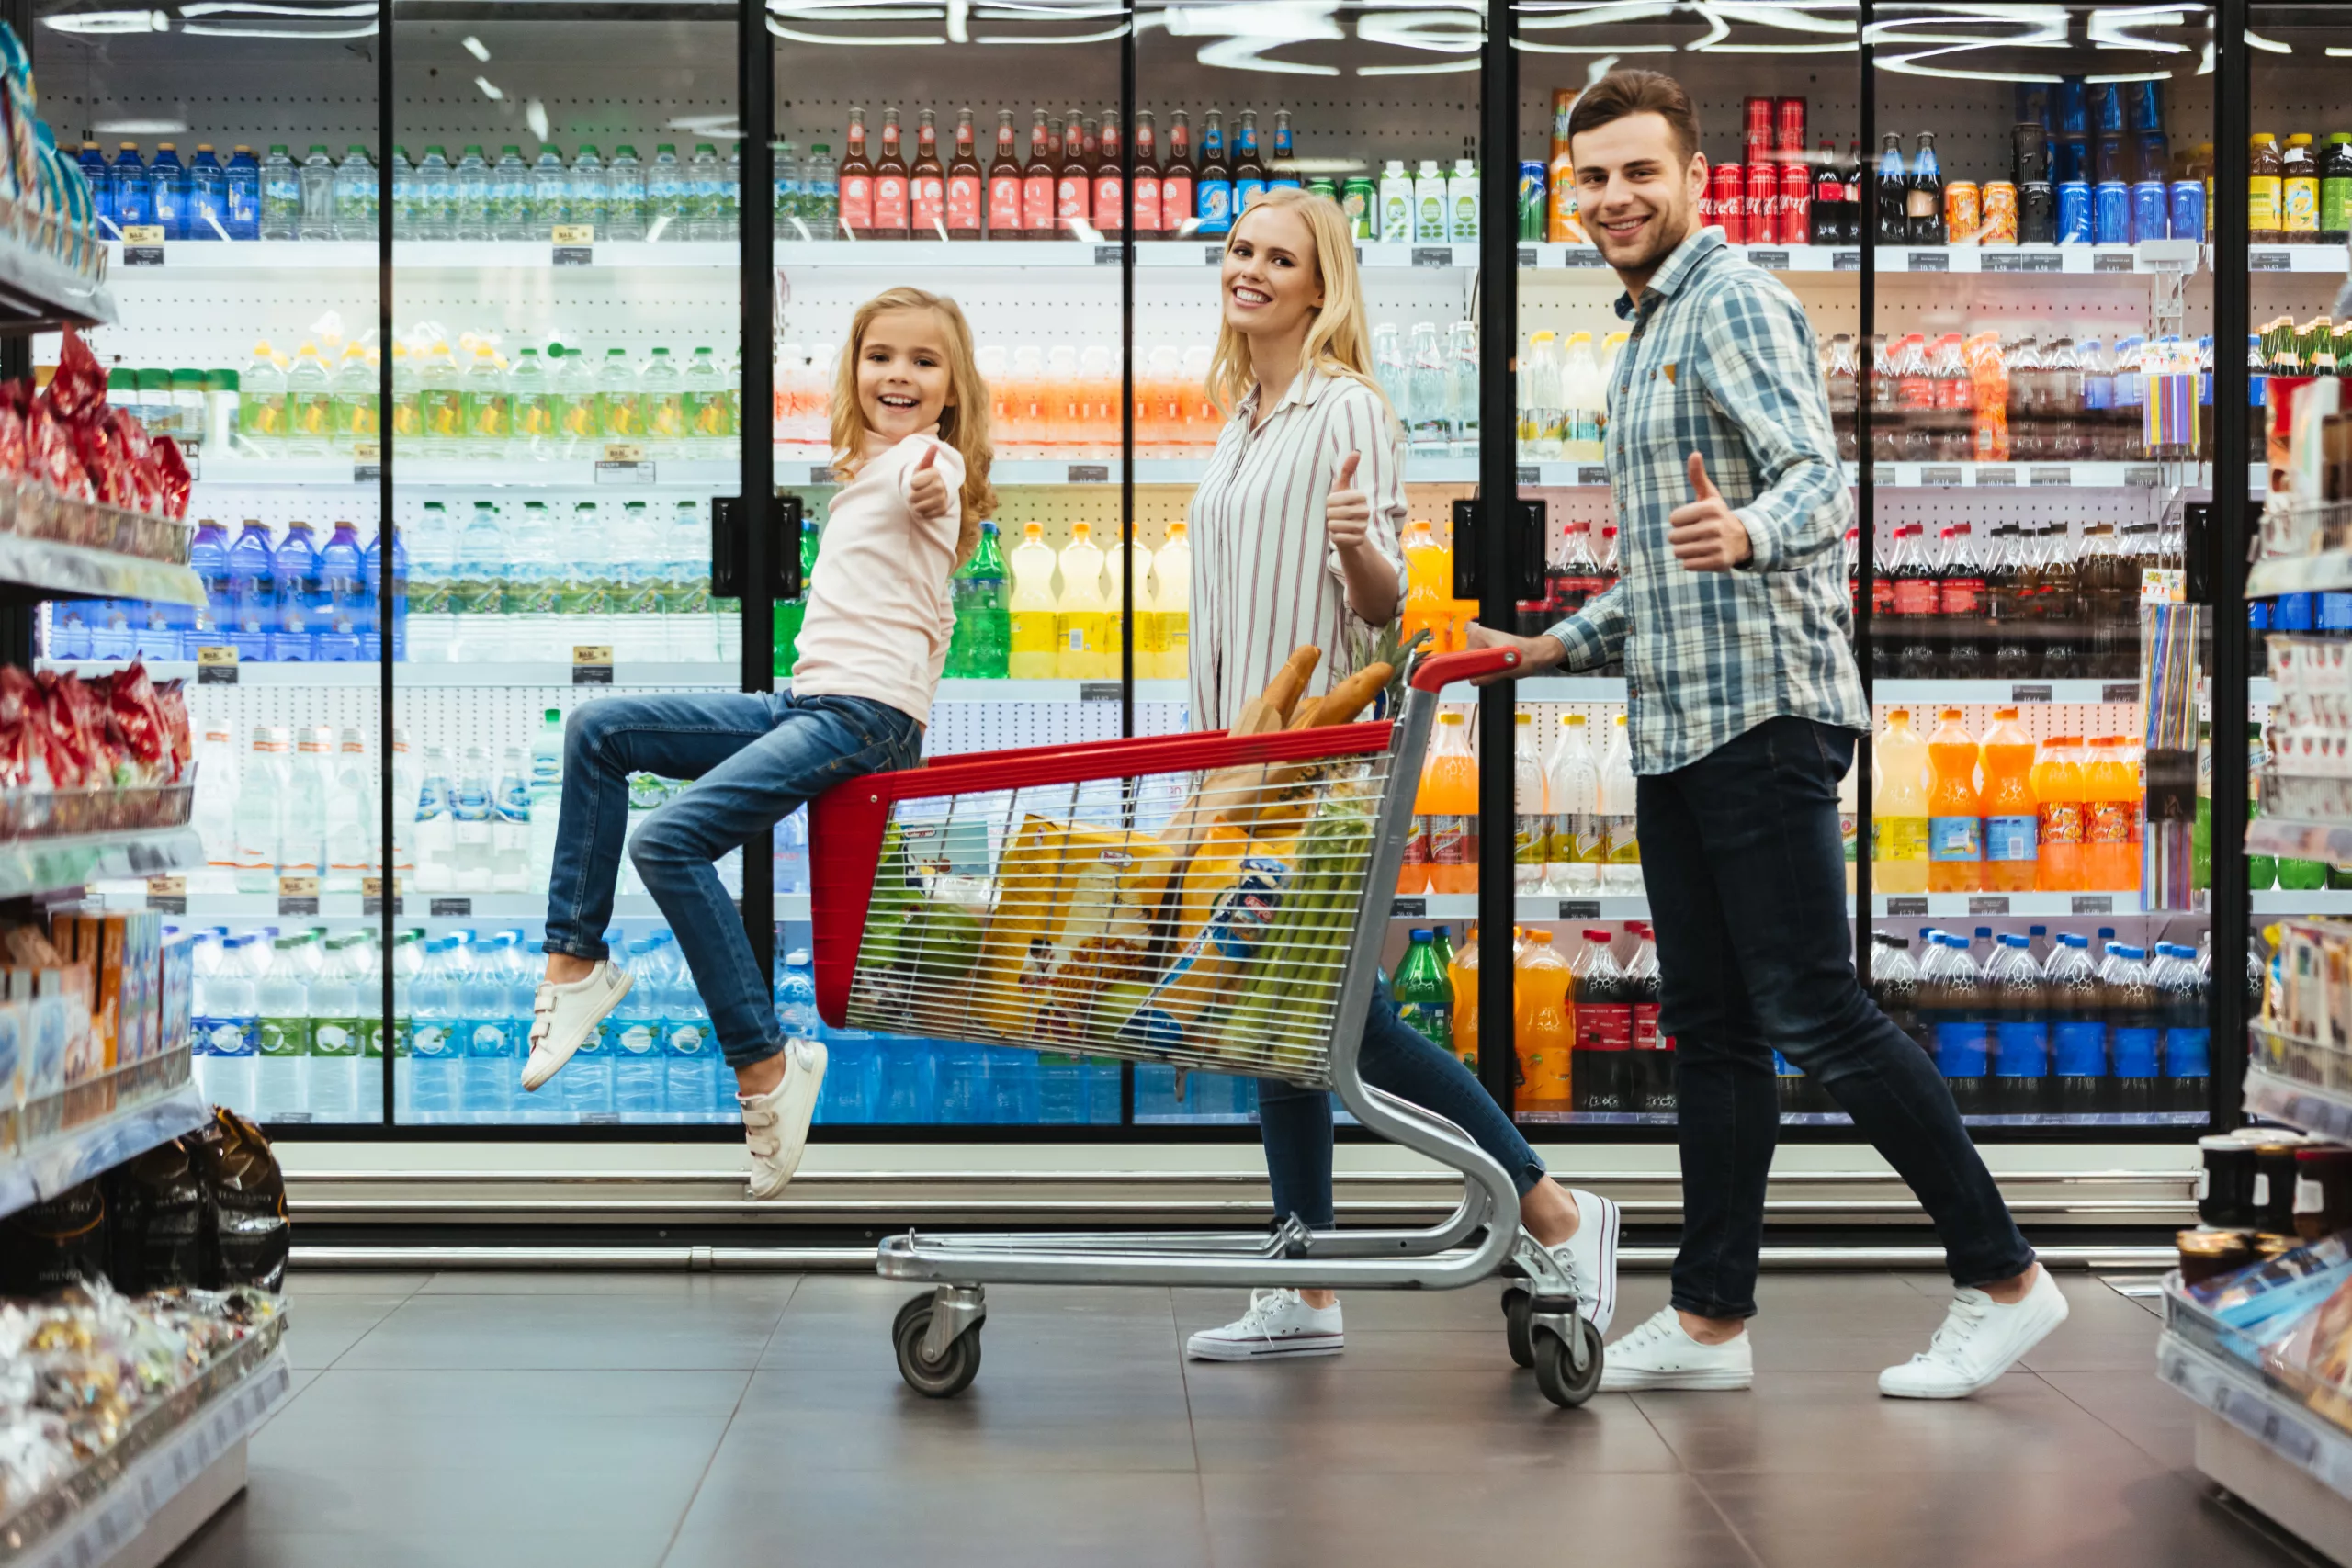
(272, 197)
(1430, 606)
(2300, 194)
(1954, 814)
(1563, 396)
(1588, 568)
(1574, 828)
(501, 582)
(2029, 603)
(1586, 1037)
(2124, 1033)
(1073, 632)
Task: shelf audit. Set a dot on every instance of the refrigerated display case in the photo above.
(551, 292)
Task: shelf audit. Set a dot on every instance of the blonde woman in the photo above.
(1294, 540)
(910, 437)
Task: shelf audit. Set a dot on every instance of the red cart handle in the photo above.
(1434, 674)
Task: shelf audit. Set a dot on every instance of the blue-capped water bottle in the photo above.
(638, 1039)
(2021, 1030)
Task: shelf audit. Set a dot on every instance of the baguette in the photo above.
(1353, 695)
(1305, 717)
(1283, 692)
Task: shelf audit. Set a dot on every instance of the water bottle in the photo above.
(167, 183)
(589, 198)
(207, 197)
(731, 194)
(2184, 990)
(510, 196)
(132, 194)
(637, 1038)
(820, 194)
(240, 195)
(436, 833)
(259, 796)
(436, 200)
(335, 1010)
(486, 1079)
(472, 815)
(847, 1096)
(477, 589)
(510, 828)
(302, 808)
(665, 196)
(281, 196)
(550, 191)
(910, 1076)
(432, 565)
(964, 1098)
(343, 599)
(1462, 389)
(705, 190)
(1963, 1029)
(228, 1024)
(2022, 1030)
(1427, 394)
(544, 789)
(787, 205)
(472, 183)
(353, 822)
(314, 185)
(437, 1047)
(2132, 1031)
(367, 959)
(792, 853)
(294, 567)
(356, 196)
(282, 1030)
(689, 633)
(208, 557)
(690, 1056)
(625, 194)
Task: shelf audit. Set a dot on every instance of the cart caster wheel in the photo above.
(1561, 1382)
(1518, 1308)
(947, 1376)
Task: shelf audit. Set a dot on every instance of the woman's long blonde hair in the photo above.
(1339, 344)
(963, 424)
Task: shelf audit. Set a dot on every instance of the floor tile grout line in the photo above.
(743, 1394)
(1737, 1534)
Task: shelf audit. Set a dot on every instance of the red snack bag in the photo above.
(171, 701)
(135, 722)
(20, 721)
(50, 450)
(172, 481)
(67, 746)
(13, 452)
(139, 459)
(101, 457)
(78, 390)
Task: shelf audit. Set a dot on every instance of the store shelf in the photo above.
(74, 1155)
(2017, 905)
(1898, 693)
(29, 866)
(1549, 689)
(55, 570)
(2077, 261)
(2319, 901)
(249, 909)
(2308, 1106)
(1911, 476)
(170, 1471)
(2291, 840)
(2330, 260)
(2327, 571)
(1545, 908)
(2279, 1423)
(40, 293)
(410, 676)
(621, 479)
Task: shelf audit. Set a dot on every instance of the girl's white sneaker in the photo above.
(563, 1016)
(776, 1125)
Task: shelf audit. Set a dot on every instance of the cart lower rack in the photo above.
(1207, 902)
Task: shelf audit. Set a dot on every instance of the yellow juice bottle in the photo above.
(1034, 656)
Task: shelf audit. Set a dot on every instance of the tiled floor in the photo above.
(741, 1421)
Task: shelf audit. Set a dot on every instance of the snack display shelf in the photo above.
(73, 1155)
(29, 866)
(2291, 840)
(2310, 1107)
(2318, 901)
(171, 1472)
(1897, 693)
(2326, 571)
(2275, 1419)
(49, 569)
(38, 293)
(2080, 261)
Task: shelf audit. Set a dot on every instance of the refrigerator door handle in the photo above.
(727, 547)
(788, 585)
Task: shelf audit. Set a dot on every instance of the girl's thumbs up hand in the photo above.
(1347, 510)
(927, 487)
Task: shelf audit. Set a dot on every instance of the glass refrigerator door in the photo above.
(2041, 337)
(1778, 92)
(564, 407)
(232, 149)
(890, 173)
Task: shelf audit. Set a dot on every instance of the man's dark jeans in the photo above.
(1742, 855)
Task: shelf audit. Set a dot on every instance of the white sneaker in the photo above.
(1589, 1256)
(1979, 1339)
(1279, 1323)
(776, 1125)
(1659, 1354)
(563, 1016)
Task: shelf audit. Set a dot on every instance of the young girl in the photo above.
(910, 437)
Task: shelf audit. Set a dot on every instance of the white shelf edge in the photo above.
(2296, 1433)
(77, 1154)
(30, 866)
(2308, 1107)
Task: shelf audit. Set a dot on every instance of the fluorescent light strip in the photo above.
(1445, 68)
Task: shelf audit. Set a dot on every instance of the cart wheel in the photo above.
(1518, 1307)
(949, 1375)
(1560, 1382)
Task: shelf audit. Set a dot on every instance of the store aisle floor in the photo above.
(741, 1421)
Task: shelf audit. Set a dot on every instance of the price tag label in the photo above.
(1215, 254)
(2141, 476)
(1881, 473)
(1907, 906)
(574, 234)
(1580, 908)
(1409, 908)
(371, 896)
(1580, 255)
(2035, 693)
(821, 474)
(2111, 261)
(367, 463)
(297, 895)
(216, 665)
(1845, 261)
(1940, 474)
(592, 664)
(623, 470)
(1989, 904)
(1527, 474)
(452, 908)
(1099, 690)
(1770, 260)
(143, 245)
(1527, 258)
(1089, 473)
(2094, 904)
(1433, 256)
(2040, 478)
(1995, 474)
(1592, 474)
(167, 895)
(2270, 261)
(1110, 255)
(1927, 261)
(628, 452)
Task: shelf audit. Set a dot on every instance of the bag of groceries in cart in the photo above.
(1200, 918)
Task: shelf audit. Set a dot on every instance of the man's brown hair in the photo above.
(1622, 93)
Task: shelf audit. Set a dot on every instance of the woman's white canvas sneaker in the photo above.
(1589, 1256)
(776, 1125)
(1659, 1354)
(1979, 1339)
(563, 1016)
(1278, 1324)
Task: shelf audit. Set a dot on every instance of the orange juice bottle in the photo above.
(2011, 814)
(2110, 800)
(1450, 786)
(2058, 788)
(1547, 1034)
(1899, 809)
(1464, 973)
(1429, 579)
(1956, 810)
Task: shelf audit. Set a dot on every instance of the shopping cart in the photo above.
(1209, 903)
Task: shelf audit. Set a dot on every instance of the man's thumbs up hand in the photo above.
(1705, 534)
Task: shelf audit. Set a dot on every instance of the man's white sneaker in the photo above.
(1279, 1323)
(1659, 1354)
(563, 1016)
(1589, 1256)
(776, 1125)
(1979, 1339)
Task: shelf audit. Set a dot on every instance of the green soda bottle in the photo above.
(1423, 995)
(788, 613)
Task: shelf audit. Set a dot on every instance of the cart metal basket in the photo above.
(1213, 903)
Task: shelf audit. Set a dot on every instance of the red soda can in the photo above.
(1759, 125)
(1761, 205)
(1724, 202)
(1789, 118)
(1796, 202)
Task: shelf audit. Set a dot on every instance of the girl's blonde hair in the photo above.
(1337, 344)
(963, 424)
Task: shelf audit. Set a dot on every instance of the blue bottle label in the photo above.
(1217, 206)
(2010, 837)
(2080, 1049)
(2188, 1053)
(2021, 1050)
(1955, 837)
(1245, 192)
(1961, 1049)
(2134, 1051)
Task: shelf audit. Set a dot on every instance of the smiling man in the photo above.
(1744, 704)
